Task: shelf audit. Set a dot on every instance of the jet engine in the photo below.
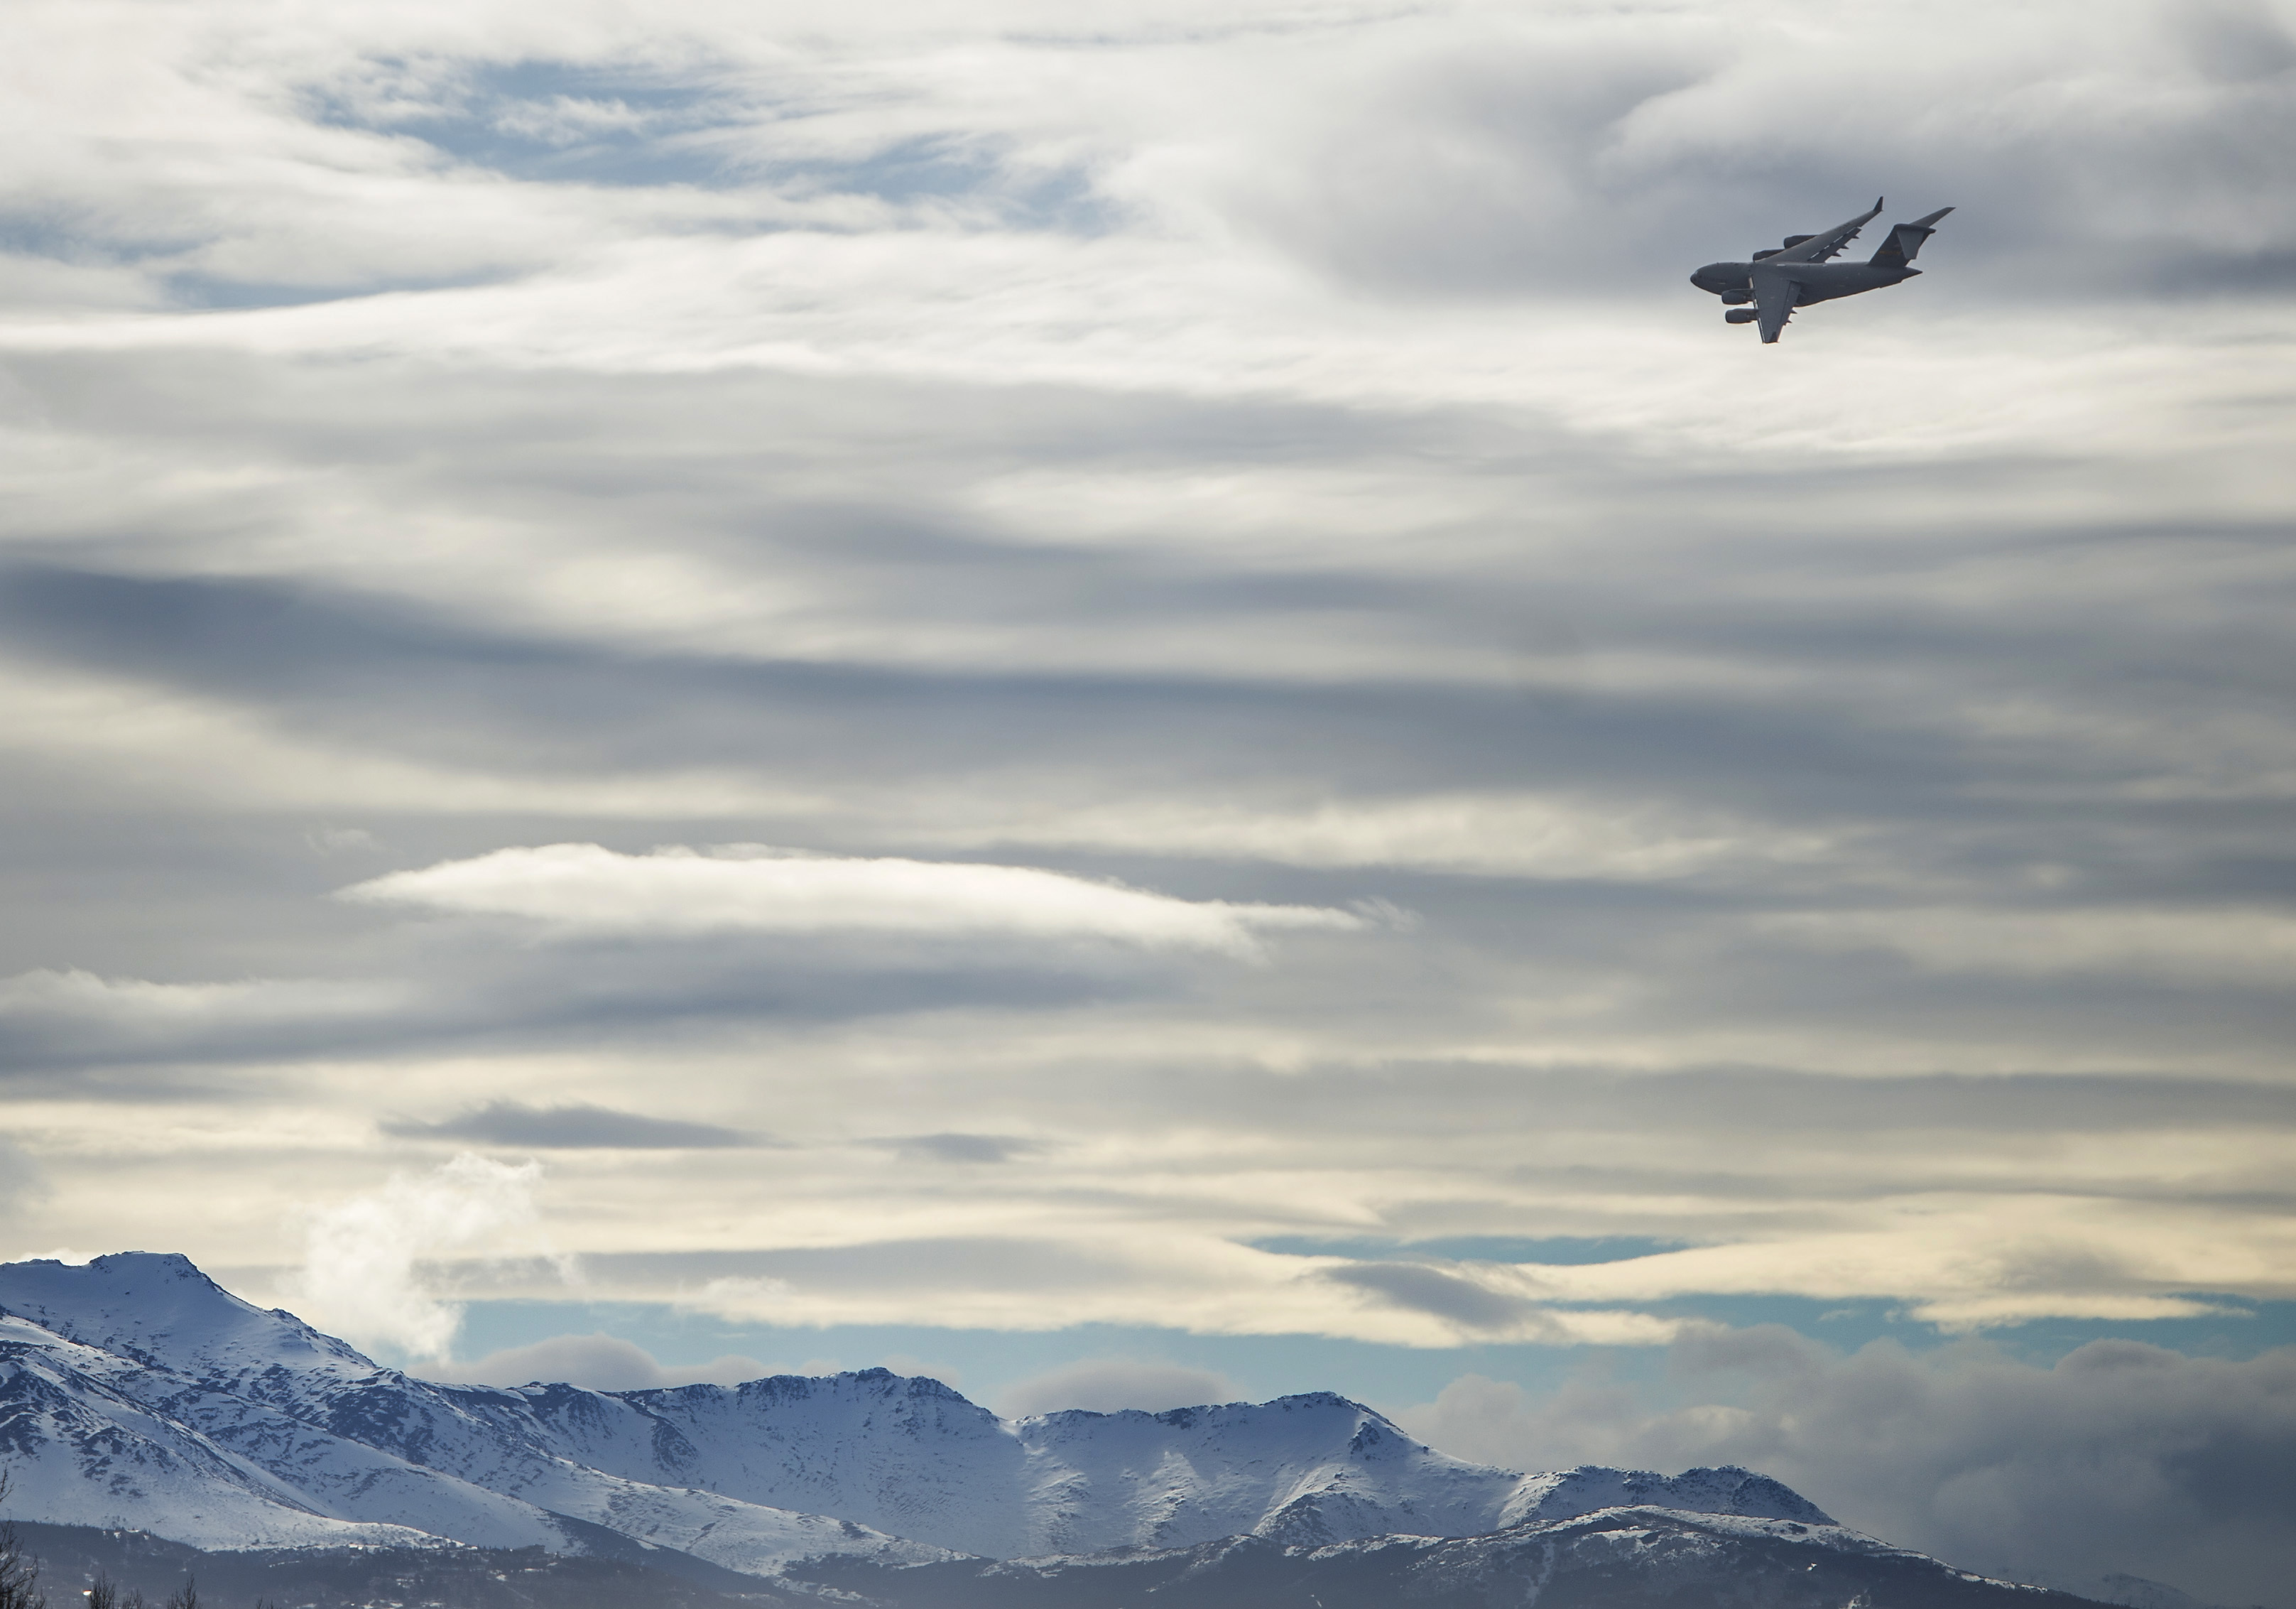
(1790, 242)
(1737, 299)
(1741, 316)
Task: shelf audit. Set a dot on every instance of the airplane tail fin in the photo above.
(1905, 240)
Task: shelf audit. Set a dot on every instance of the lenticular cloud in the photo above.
(583, 890)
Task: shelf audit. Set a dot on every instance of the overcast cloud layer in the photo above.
(1013, 666)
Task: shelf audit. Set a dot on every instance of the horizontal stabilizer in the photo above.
(1905, 240)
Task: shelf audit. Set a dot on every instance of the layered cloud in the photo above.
(51, 1017)
(1230, 484)
(1456, 148)
(1034, 1277)
(581, 889)
(1503, 835)
(2225, 946)
(1971, 1265)
(23, 1181)
(576, 1127)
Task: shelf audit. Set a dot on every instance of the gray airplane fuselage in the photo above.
(1733, 282)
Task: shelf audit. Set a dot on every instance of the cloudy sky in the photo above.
(1129, 703)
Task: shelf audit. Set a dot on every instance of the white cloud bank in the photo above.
(2121, 1457)
(362, 1277)
(599, 1361)
(582, 889)
(1108, 1385)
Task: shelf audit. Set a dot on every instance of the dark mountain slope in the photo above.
(1619, 1558)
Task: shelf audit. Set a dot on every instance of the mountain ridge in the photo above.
(746, 1475)
(137, 1394)
(1637, 1557)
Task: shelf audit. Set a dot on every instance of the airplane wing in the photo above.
(1774, 298)
(1817, 248)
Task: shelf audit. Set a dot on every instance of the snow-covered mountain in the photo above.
(136, 1394)
(83, 1447)
(153, 1399)
(1635, 1557)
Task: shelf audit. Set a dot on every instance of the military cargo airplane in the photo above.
(1798, 273)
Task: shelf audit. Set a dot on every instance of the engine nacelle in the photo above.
(1737, 299)
(1741, 316)
(1793, 240)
